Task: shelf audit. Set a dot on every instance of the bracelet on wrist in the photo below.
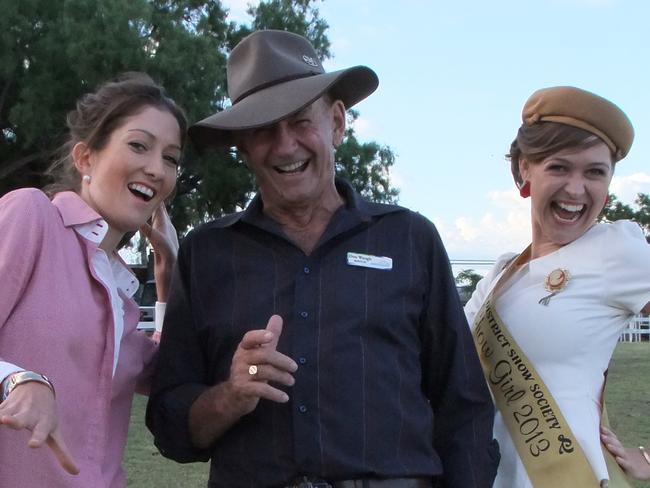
(16, 379)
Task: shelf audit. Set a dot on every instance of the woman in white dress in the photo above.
(546, 321)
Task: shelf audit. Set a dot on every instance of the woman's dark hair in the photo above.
(538, 141)
(98, 114)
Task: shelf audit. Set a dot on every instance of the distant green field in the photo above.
(628, 402)
(628, 395)
(144, 465)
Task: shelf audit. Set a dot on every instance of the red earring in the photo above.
(524, 190)
(606, 201)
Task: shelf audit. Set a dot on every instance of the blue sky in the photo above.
(453, 79)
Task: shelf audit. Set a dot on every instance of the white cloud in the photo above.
(507, 199)
(504, 227)
(626, 187)
(362, 127)
(467, 230)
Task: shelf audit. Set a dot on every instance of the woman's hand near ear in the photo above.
(162, 235)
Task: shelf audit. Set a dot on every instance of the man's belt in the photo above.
(309, 482)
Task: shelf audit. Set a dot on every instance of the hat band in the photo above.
(269, 84)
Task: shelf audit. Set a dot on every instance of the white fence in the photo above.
(638, 330)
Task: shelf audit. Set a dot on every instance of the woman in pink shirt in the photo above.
(70, 355)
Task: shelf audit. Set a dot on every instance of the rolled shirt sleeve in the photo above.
(180, 365)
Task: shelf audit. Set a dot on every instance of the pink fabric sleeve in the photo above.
(22, 218)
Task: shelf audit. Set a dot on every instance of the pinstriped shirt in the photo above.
(388, 382)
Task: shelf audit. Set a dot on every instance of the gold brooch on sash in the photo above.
(555, 282)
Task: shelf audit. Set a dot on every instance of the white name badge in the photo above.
(369, 261)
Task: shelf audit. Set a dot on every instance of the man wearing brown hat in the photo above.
(315, 339)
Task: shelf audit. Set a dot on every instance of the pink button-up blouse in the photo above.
(56, 319)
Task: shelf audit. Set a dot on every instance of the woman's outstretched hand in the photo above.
(32, 406)
(630, 459)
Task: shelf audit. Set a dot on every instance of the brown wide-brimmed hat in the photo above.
(273, 74)
(582, 109)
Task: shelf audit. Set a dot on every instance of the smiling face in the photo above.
(293, 160)
(568, 190)
(134, 172)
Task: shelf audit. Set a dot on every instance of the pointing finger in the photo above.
(61, 452)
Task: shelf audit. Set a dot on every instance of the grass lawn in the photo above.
(628, 403)
(628, 395)
(144, 465)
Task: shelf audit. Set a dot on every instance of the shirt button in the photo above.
(304, 315)
(302, 360)
(306, 270)
(302, 409)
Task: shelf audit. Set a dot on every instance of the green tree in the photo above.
(366, 165)
(617, 210)
(55, 50)
(468, 278)
(299, 16)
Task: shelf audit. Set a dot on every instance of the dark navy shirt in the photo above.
(388, 381)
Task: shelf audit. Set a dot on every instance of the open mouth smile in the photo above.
(292, 168)
(141, 191)
(566, 212)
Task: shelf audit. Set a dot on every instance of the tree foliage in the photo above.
(55, 50)
(366, 165)
(617, 210)
(298, 16)
(469, 278)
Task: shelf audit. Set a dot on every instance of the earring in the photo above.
(86, 179)
(524, 189)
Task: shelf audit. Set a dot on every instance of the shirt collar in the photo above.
(355, 206)
(73, 209)
(94, 231)
(354, 212)
(78, 215)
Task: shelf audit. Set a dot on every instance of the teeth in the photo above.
(145, 190)
(570, 208)
(288, 168)
(573, 211)
(572, 219)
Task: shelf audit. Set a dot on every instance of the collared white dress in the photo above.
(570, 341)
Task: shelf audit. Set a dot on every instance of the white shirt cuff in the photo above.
(159, 315)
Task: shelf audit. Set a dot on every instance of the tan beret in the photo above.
(585, 110)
